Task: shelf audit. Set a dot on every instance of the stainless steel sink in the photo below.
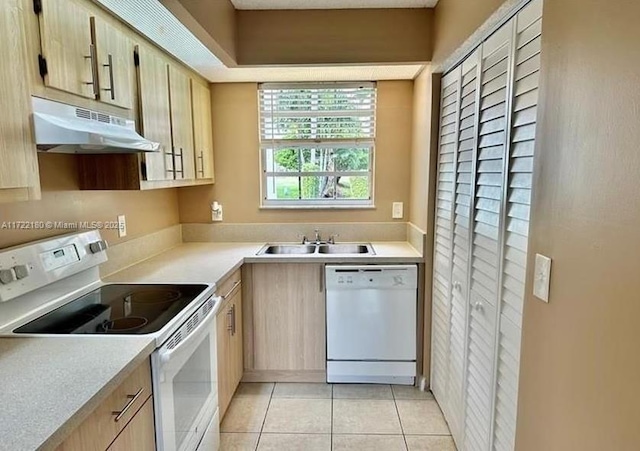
(288, 249)
(345, 249)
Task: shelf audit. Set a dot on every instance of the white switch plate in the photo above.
(122, 226)
(542, 277)
(397, 210)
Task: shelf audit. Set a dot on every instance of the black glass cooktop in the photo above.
(117, 309)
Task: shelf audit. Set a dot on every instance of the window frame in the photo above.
(329, 144)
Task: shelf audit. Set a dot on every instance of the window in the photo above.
(317, 144)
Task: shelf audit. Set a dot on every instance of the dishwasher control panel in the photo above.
(372, 276)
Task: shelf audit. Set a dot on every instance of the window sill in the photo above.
(317, 207)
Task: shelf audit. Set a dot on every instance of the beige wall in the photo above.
(334, 36)
(455, 21)
(146, 211)
(237, 164)
(580, 360)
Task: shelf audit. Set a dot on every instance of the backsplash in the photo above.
(287, 232)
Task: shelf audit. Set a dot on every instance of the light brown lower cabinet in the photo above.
(139, 435)
(124, 420)
(229, 341)
(285, 323)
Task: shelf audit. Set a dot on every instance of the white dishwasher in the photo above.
(371, 323)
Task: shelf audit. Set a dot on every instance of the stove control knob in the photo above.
(7, 276)
(98, 246)
(21, 271)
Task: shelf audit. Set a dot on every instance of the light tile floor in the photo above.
(339, 417)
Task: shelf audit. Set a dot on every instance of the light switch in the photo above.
(122, 226)
(397, 212)
(542, 277)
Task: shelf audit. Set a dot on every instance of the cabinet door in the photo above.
(65, 39)
(487, 235)
(19, 168)
(139, 434)
(223, 345)
(442, 256)
(181, 124)
(524, 106)
(202, 132)
(236, 352)
(114, 57)
(288, 307)
(155, 116)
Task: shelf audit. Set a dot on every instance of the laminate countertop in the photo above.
(51, 384)
(213, 262)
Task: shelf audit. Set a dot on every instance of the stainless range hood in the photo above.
(63, 128)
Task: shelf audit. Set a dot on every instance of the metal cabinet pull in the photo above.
(111, 88)
(181, 171)
(172, 170)
(132, 400)
(201, 159)
(233, 288)
(94, 74)
(233, 320)
(230, 320)
(321, 279)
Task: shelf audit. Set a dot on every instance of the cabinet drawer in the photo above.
(112, 415)
(230, 285)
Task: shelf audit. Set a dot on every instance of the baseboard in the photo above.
(284, 376)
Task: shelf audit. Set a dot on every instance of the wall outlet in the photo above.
(216, 212)
(542, 277)
(122, 226)
(397, 210)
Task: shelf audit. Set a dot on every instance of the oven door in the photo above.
(185, 384)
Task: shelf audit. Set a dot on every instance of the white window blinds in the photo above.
(317, 143)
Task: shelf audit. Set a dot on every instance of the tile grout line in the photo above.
(395, 404)
(331, 435)
(264, 420)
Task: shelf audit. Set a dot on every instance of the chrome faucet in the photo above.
(317, 232)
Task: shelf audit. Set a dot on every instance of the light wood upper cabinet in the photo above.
(114, 59)
(181, 124)
(285, 312)
(202, 130)
(19, 164)
(229, 341)
(65, 37)
(155, 112)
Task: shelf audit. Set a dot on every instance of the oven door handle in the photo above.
(165, 355)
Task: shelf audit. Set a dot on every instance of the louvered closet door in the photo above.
(487, 223)
(519, 182)
(465, 156)
(441, 299)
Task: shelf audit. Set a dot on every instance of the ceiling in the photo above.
(331, 4)
(315, 73)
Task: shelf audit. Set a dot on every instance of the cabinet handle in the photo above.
(233, 320)
(111, 89)
(132, 400)
(181, 171)
(233, 288)
(172, 170)
(321, 279)
(201, 158)
(94, 75)
(478, 306)
(230, 320)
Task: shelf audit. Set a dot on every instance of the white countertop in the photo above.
(51, 384)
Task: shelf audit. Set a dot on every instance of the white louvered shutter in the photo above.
(441, 299)
(519, 181)
(487, 224)
(465, 156)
